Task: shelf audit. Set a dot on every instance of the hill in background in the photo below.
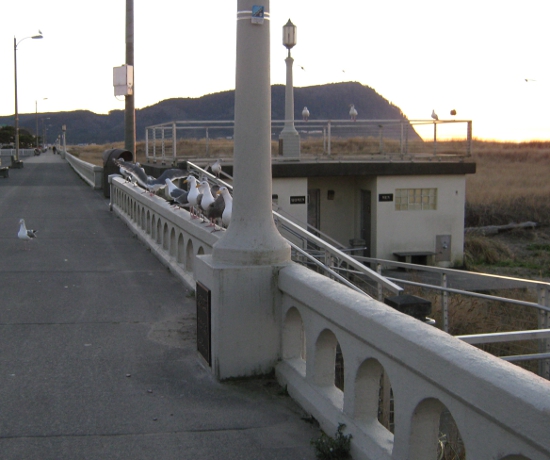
(325, 102)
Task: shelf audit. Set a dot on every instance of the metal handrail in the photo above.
(313, 239)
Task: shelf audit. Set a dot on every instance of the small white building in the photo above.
(399, 210)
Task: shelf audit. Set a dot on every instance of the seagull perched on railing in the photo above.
(228, 209)
(305, 114)
(353, 112)
(434, 115)
(149, 183)
(193, 194)
(178, 195)
(216, 168)
(24, 234)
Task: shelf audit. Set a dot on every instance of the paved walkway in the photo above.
(97, 343)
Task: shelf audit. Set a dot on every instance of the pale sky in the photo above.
(473, 56)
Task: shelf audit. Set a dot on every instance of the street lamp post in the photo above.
(15, 43)
(289, 136)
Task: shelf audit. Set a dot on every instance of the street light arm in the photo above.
(34, 37)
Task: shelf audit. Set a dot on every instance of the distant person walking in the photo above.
(54, 150)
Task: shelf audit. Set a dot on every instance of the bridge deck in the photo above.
(97, 343)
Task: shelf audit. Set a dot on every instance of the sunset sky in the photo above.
(471, 56)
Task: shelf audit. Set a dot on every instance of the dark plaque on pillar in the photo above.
(204, 322)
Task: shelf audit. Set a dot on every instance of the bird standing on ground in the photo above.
(24, 234)
(305, 114)
(353, 112)
(434, 115)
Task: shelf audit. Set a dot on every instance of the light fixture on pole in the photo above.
(15, 44)
(289, 139)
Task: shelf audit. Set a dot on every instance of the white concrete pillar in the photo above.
(240, 275)
(252, 238)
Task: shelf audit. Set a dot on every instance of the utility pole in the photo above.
(129, 107)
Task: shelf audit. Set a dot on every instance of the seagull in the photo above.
(206, 200)
(149, 183)
(177, 194)
(305, 114)
(216, 168)
(193, 194)
(353, 112)
(25, 234)
(228, 210)
(434, 115)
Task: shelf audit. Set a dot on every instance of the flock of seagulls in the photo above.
(210, 203)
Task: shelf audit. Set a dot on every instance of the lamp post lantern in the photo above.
(289, 137)
(15, 43)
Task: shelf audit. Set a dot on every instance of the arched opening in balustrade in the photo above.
(153, 226)
(200, 252)
(148, 228)
(173, 249)
(143, 222)
(434, 433)
(158, 231)
(374, 395)
(181, 251)
(165, 237)
(135, 211)
(325, 361)
(294, 338)
(189, 256)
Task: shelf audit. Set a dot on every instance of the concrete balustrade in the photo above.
(500, 410)
(172, 235)
(92, 174)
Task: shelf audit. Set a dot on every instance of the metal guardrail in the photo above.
(329, 256)
(391, 138)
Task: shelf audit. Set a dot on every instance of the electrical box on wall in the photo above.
(123, 80)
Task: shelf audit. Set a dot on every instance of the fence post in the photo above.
(174, 142)
(445, 302)
(401, 140)
(163, 148)
(435, 138)
(469, 139)
(544, 323)
(146, 145)
(329, 140)
(207, 138)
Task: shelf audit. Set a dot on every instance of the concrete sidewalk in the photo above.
(97, 343)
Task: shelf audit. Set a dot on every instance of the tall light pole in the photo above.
(289, 136)
(15, 43)
(36, 118)
(129, 101)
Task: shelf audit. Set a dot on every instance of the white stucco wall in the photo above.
(393, 230)
(417, 230)
(291, 187)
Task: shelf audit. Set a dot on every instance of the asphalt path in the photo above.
(97, 343)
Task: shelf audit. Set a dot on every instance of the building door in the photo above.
(313, 208)
(366, 220)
